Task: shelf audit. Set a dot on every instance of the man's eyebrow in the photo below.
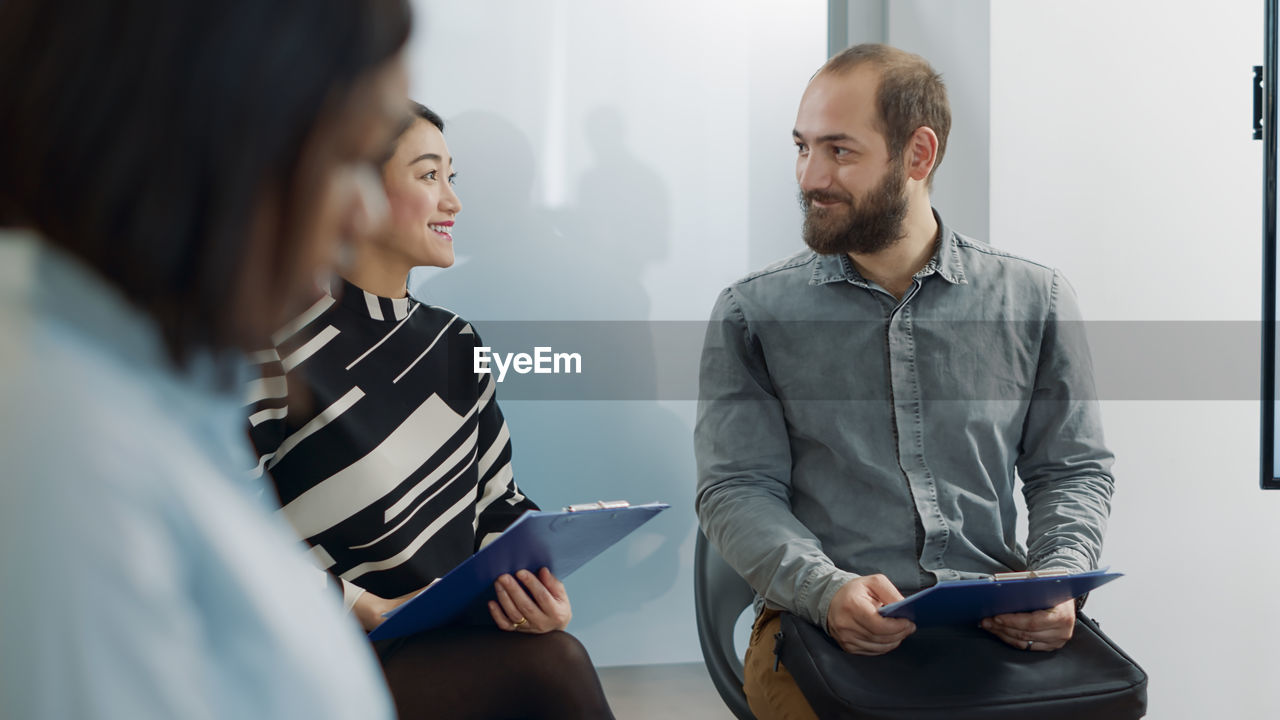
(425, 156)
(834, 137)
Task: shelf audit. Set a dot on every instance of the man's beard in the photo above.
(863, 227)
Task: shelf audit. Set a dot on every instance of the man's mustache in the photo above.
(823, 196)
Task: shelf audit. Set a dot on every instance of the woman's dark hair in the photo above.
(416, 111)
(143, 137)
(426, 113)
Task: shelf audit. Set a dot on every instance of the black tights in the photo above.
(479, 672)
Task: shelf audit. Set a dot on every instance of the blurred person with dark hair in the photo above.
(393, 461)
(173, 177)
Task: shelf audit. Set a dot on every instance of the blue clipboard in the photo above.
(561, 541)
(969, 601)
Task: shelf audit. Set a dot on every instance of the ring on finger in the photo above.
(524, 620)
(1028, 647)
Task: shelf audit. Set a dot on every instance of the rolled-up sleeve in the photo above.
(744, 474)
(1063, 462)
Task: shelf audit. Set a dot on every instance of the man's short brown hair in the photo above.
(911, 95)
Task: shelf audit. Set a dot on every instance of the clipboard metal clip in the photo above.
(601, 505)
(1029, 574)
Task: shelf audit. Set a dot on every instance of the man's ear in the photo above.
(921, 153)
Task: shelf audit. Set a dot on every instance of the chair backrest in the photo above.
(720, 595)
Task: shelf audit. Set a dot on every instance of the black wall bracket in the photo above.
(1257, 102)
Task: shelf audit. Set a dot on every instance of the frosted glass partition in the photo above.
(618, 163)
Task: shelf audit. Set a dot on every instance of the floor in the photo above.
(659, 692)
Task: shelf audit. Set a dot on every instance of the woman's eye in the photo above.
(453, 179)
(430, 175)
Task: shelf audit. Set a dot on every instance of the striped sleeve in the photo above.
(267, 395)
(498, 500)
(267, 406)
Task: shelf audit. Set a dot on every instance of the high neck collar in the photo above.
(367, 304)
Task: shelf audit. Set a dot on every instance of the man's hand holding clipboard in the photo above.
(970, 601)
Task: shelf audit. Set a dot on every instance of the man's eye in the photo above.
(802, 148)
(841, 152)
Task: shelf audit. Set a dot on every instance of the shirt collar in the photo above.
(366, 304)
(945, 263)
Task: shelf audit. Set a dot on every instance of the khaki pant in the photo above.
(771, 695)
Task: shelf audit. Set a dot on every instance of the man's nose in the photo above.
(812, 173)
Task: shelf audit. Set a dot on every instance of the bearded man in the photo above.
(868, 405)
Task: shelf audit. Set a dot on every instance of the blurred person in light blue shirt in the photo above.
(173, 177)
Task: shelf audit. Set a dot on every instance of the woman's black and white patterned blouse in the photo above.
(389, 453)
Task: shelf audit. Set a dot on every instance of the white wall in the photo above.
(617, 162)
(1121, 153)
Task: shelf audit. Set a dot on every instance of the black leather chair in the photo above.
(719, 597)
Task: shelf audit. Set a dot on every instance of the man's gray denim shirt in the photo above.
(842, 432)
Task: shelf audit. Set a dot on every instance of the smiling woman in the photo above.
(393, 461)
(418, 178)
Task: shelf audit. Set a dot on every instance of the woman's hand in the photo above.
(535, 604)
(370, 608)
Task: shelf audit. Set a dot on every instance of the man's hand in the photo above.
(853, 620)
(535, 604)
(1042, 630)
